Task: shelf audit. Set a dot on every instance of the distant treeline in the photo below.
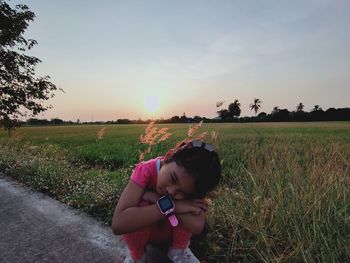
(283, 115)
(277, 115)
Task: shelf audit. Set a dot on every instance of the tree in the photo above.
(262, 116)
(56, 121)
(299, 114)
(317, 114)
(275, 110)
(255, 105)
(22, 93)
(317, 108)
(234, 109)
(300, 107)
(175, 119)
(280, 115)
(183, 118)
(223, 114)
(197, 118)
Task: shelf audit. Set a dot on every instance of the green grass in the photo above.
(284, 196)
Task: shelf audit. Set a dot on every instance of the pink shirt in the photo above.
(145, 173)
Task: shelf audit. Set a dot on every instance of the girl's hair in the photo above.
(201, 161)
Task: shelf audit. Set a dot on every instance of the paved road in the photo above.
(36, 228)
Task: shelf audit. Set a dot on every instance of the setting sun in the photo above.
(152, 103)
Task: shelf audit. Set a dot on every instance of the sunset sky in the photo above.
(152, 59)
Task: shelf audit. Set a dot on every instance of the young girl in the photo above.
(164, 201)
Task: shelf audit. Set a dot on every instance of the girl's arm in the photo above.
(192, 221)
(128, 216)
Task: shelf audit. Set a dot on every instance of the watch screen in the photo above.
(165, 204)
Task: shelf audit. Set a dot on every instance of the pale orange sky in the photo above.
(110, 56)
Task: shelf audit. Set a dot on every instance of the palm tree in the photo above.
(234, 109)
(317, 108)
(256, 105)
(300, 107)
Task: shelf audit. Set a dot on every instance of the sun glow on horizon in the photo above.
(152, 103)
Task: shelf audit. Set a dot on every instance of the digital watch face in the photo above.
(165, 203)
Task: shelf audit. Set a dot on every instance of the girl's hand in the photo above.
(151, 197)
(193, 206)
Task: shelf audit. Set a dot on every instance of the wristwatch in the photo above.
(166, 207)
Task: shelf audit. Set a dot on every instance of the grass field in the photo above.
(284, 196)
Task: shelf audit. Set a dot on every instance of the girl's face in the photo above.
(175, 181)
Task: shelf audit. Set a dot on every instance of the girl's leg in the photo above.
(136, 242)
(180, 237)
(180, 251)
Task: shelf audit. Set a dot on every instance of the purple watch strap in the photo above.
(173, 220)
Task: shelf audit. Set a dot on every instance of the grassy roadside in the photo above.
(49, 170)
(284, 198)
